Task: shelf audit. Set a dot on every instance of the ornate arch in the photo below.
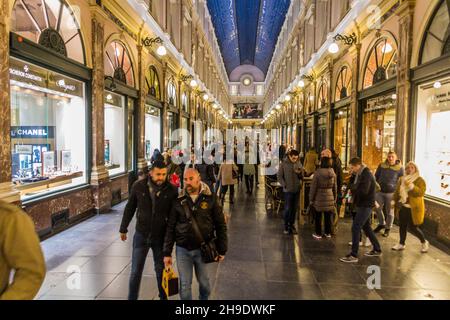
(343, 86)
(118, 63)
(50, 23)
(152, 83)
(436, 39)
(381, 63)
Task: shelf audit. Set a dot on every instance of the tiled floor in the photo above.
(262, 263)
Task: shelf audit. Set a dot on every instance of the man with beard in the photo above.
(153, 198)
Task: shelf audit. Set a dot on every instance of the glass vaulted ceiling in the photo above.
(247, 30)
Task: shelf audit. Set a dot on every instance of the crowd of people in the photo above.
(181, 206)
(391, 191)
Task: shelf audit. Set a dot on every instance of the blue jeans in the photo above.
(290, 208)
(140, 251)
(186, 261)
(362, 221)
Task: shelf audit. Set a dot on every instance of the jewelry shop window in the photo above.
(152, 131)
(48, 130)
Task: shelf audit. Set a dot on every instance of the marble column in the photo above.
(402, 127)
(329, 73)
(99, 176)
(353, 130)
(142, 165)
(7, 191)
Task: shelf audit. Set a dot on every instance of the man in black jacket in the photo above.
(363, 193)
(207, 211)
(153, 198)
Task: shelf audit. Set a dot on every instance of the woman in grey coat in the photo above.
(322, 196)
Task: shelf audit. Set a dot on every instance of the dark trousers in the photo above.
(249, 182)
(224, 190)
(362, 221)
(140, 251)
(290, 208)
(405, 217)
(241, 172)
(318, 221)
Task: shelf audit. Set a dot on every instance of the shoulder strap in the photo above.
(187, 211)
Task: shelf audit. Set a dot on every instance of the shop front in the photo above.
(50, 90)
(321, 132)
(119, 130)
(309, 133)
(153, 127)
(48, 130)
(341, 129)
(378, 129)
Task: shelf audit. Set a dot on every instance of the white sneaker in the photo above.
(351, 243)
(367, 243)
(399, 247)
(425, 246)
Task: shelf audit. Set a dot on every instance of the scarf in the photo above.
(404, 186)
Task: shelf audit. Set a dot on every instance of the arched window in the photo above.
(118, 63)
(343, 84)
(172, 93)
(382, 63)
(437, 37)
(152, 82)
(323, 95)
(50, 23)
(185, 102)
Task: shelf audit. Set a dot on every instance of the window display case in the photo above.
(114, 133)
(341, 138)
(48, 130)
(432, 145)
(378, 130)
(152, 131)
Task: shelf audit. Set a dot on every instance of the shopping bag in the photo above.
(342, 210)
(169, 282)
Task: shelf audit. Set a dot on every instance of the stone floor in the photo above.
(262, 263)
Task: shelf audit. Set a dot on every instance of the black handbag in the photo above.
(208, 249)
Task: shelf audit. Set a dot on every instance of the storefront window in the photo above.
(114, 133)
(382, 63)
(152, 131)
(378, 130)
(48, 130)
(130, 142)
(432, 146)
(341, 138)
(50, 23)
(322, 132)
(343, 84)
(172, 126)
(309, 138)
(185, 134)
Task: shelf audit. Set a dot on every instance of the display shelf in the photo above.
(113, 166)
(55, 181)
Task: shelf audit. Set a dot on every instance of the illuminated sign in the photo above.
(27, 132)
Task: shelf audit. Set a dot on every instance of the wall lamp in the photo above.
(148, 42)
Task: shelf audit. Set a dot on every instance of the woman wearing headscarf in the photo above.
(410, 204)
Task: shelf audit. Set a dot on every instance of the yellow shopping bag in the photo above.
(170, 282)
